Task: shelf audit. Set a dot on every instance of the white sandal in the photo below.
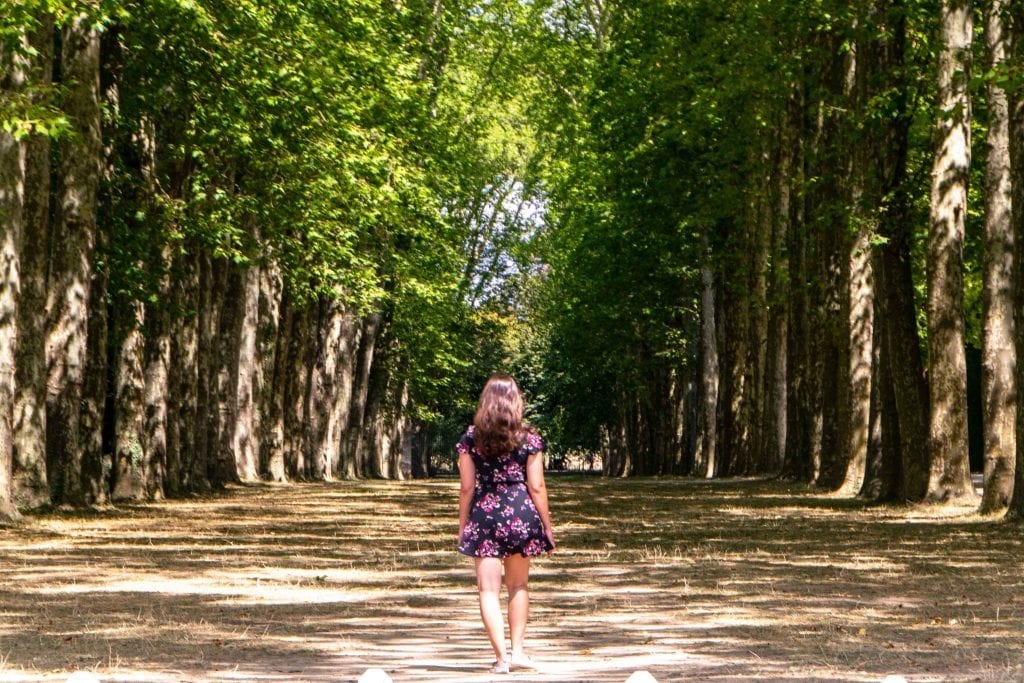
(521, 660)
(500, 666)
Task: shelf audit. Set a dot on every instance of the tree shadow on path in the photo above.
(688, 579)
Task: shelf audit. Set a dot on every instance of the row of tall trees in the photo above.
(776, 227)
(289, 240)
(242, 240)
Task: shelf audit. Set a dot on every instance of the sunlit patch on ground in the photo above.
(688, 579)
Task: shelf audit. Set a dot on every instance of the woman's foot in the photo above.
(501, 666)
(521, 660)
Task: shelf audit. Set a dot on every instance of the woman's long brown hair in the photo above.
(498, 423)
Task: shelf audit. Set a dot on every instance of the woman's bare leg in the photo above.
(488, 582)
(517, 574)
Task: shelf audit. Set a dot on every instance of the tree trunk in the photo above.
(270, 329)
(883, 478)
(130, 454)
(800, 390)
(31, 486)
(352, 444)
(245, 442)
(227, 317)
(734, 323)
(901, 348)
(761, 226)
(860, 286)
(949, 471)
(705, 449)
(12, 213)
(274, 425)
(183, 407)
(774, 429)
(73, 249)
(861, 358)
(157, 380)
(298, 364)
(330, 387)
(999, 359)
(832, 156)
(1016, 509)
(209, 298)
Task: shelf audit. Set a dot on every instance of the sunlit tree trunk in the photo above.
(898, 314)
(883, 478)
(999, 389)
(130, 152)
(353, 434)
(273, 423)
(298, 362)
(72, 266)
(12, 213)
(1016, 509)
(859, 280)
(130, 466)
(331, 386)
(232, 446)
(31, 486)
(266, 424)
(949, 472)
(245, 437)
(706, 450)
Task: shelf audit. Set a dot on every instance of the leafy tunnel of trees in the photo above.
(289, 240)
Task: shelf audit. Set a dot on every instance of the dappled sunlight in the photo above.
(734, 580)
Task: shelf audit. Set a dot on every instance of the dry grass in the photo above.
(694, 580)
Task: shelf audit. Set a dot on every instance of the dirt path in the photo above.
(689, 580)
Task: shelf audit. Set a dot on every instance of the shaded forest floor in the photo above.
(690, 580)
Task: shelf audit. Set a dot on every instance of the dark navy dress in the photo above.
(503, 520)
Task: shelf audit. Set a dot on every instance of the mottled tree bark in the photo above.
(949, 471)
(883, 477)
(273, 426)
(298, 368)
(31, 486)
(72, 266)
(801, 437)
(901, 346)
(999, 358)
(331, 386)
(353, 464)
(224, 381)
(1016, 509)
(183, 406)
(773, 447)
(705, 450)
(157, 379)
(760, 229)
(12, 206)
(833, 159)
(245, 437)
(130, 456)
(270, 326)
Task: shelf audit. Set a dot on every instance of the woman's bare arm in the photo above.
(467, 483)
(539, 491)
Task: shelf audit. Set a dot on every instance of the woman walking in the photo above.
(503, 512)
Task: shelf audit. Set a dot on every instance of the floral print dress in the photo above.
(503, 520)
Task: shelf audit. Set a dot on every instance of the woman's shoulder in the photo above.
(532, 441)
(466, 440)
